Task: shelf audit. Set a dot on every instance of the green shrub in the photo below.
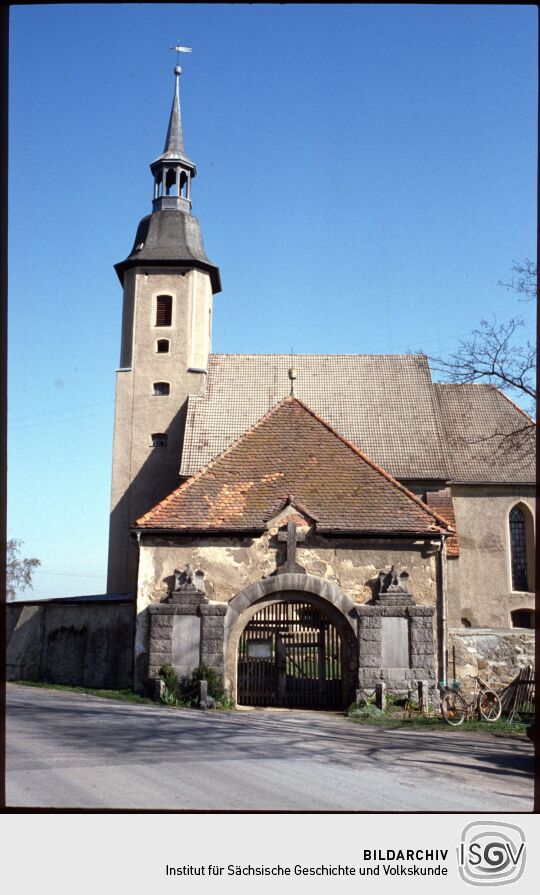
(215, 684)
(185, 691)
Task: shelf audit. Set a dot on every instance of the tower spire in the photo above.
(174, 141)
(173, 171)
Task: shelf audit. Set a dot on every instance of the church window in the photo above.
(161, 388)
(159, 439)
(164, 310)
(522, 618)
(518, 549)
(162, 346)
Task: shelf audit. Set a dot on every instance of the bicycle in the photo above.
(484, 702)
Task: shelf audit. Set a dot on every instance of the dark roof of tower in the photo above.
(170, 236)
(386, 405)
(293, 456)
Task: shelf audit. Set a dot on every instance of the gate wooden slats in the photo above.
(302, 667)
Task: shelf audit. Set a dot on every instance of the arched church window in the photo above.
(162, 346)
(161, 388)
(164, 310)
(522, 618)
(159, 439)
(518, 549)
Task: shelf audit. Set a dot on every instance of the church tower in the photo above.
(168, 286)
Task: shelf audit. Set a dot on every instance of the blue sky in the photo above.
(366, 176)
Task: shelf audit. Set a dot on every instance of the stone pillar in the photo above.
(395, 641)
(212, 635)
(380, 695)
(369, 646)
(186, 629)
(422, 645)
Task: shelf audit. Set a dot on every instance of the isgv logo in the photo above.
(491, 853)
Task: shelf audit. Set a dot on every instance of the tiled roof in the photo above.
(384, 404)
(291, 456)
(441, 503)
(489, 440)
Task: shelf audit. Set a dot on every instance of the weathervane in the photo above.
(179, 50)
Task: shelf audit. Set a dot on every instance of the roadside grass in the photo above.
(494, 728)
(118, 695)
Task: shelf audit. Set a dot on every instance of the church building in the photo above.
(306, 526)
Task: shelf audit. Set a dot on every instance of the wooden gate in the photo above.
(290, 654)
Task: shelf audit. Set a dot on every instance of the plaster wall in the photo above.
(231, 564)
(143, 475)
(479, 580)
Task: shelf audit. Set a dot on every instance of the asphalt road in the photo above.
(70, 751)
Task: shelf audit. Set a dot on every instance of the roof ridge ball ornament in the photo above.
(292, 376)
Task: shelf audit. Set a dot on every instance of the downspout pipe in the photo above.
(443, 650)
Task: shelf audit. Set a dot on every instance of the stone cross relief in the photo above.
(292, 538)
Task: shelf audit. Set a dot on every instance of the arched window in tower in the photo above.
(518, 549)
(162, 346)
(164, 310)
(161, 388)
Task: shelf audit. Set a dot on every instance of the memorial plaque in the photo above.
(186, 643)
(259, 649)
(395, 642)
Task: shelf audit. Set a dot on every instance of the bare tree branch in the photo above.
(526, 280)
(493, 355)
(494, 352)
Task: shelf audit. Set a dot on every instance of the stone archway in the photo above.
(293, 587)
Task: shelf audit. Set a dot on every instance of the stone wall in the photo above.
(63, 642)
(497, 656)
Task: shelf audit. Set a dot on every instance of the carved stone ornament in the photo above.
(393, 583)
(292, 537)
(188, 579)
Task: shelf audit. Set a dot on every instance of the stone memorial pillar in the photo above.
(186, 629)
(395, 638)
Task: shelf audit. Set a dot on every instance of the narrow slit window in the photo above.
(164, 310)
(163, 346)
(518, 547)
(159, 439)
(161, 388)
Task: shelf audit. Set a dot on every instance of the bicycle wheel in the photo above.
(489, 705)
(454, 708)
